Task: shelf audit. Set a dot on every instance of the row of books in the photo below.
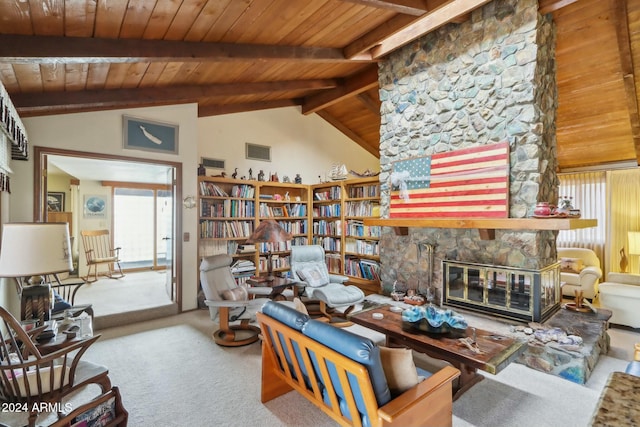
(295, 227)
(363, 247)
(365, 269)
(362, 208)
(332, 193)
(244, 191)
(333, 228)
(211, 189)
(294, 210)
(228, 208)
(277, 262)
(364, 191)
(334, 263)
(357, 228)
(243, 266)
(328, 243)
(326, 210)
(224, 229)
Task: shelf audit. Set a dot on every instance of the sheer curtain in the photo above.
(624, 196)
(588, 193)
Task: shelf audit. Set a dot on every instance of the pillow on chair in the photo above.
(59, 303)
(235, 294)
(399, 369)
(315, 276)
(571, 265)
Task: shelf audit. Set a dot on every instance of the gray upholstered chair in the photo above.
(229, 302)
(309, 268)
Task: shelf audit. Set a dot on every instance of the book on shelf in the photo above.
(243, 249)
(242, 265)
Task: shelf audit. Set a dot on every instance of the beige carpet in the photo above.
(170, 373)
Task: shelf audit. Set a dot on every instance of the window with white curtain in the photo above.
(587, 191)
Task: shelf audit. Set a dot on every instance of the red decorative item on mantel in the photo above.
(414, 300)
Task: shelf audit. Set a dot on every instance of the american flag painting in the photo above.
(467, 183)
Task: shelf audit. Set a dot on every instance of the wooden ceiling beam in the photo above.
(20, 49)
(407, 7)
(30, 103)
(217, 110)
(402, 24)
(370, 103)
(349, 133)
(425, 24)
(352, 86)
(547, 6)
(628, 76)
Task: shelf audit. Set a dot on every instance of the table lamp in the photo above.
(634, 242)
(269, 231)
(34, 250)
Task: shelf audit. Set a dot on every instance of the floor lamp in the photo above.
(33, 251)
(269, 231)
(634, 242)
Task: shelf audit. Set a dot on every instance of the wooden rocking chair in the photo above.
(98, 250)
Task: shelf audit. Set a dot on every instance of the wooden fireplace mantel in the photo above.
(486, 226)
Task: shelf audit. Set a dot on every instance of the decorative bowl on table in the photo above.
(434, 320)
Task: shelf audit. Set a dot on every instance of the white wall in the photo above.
(300, 144)
(101, 132)
(307, 145)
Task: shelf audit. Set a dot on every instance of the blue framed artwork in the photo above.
(149, 135)
(95, 206)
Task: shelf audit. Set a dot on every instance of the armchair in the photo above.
(229, 302)
(309, 268)
(580, 271)
(30, 378)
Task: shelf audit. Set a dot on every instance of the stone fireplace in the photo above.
(490, 79)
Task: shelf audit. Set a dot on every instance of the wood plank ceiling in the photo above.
(243, 55)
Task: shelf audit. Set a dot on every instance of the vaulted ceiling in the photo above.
(321, 55)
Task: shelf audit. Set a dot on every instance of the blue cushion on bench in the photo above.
(357, 348)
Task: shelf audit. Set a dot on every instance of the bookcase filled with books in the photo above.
(327, 222)
(227, 216)
(361, 242)
(288, 204)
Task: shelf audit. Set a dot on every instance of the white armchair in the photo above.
(621, 294)
(580, 270)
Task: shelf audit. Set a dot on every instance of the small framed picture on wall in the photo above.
(55, 201)
(95, 206)
(149, 135)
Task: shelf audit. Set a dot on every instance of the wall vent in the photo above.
(212, 163)
(258, 152)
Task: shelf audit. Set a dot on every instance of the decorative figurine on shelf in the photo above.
(261, 175)
(202, 171)
(298, 179)
(274, 177)
(234, 175)
(286, 196)
(565, 207)
(286, 178)
(250, 173)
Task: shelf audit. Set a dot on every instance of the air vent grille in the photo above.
(258, 152)
(212, 163)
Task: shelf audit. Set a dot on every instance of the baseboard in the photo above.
(126, 318)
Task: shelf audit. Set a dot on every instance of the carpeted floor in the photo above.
(171, 373)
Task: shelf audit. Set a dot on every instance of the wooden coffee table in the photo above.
(497, 351)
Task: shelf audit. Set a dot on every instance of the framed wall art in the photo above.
(95, 206)
(149, 135)
(55, 201)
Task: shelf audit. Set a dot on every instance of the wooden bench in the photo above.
(98, 251)
(292, 360)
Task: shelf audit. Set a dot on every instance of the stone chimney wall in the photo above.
(487, 80)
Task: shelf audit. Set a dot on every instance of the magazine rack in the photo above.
(103, 411)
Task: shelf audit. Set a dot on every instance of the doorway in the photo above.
(126, 183)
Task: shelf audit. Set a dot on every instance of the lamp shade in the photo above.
(634, 242)
(30, 249)
(269, 231)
